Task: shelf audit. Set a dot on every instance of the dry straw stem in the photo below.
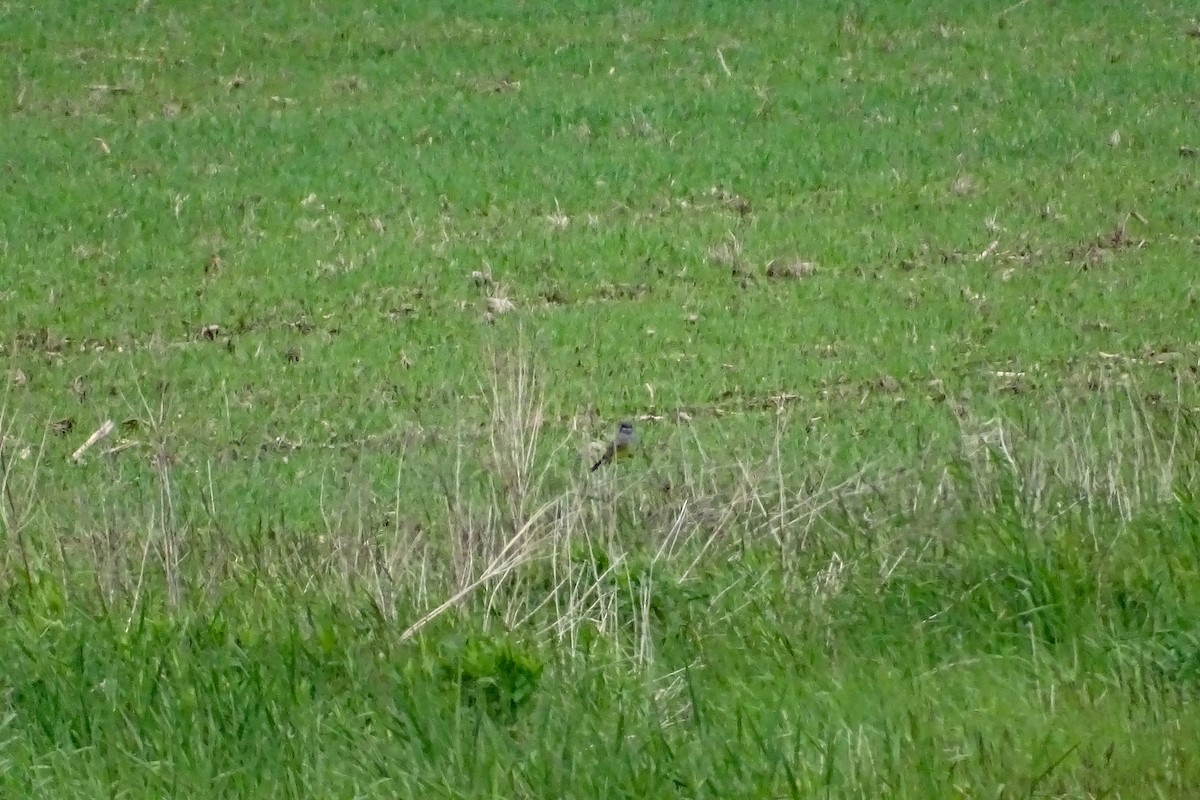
(1112, 453)
(15, 511)
(103, 431)
(16, 506)
(509, 557)
(161, 528)
(517, 418)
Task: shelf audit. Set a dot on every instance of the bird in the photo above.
(620, 447)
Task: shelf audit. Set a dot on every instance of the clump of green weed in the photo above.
(491, 673)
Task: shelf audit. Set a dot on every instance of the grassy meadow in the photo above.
(901, 298)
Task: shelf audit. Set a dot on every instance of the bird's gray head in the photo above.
(626, 426)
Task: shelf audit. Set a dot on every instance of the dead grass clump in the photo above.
(790, 268)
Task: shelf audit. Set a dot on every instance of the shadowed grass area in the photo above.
(897, 297)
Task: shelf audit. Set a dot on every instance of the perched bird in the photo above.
(620, 447)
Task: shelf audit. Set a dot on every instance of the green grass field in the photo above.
(901, 298)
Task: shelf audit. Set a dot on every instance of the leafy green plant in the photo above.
(491, 673)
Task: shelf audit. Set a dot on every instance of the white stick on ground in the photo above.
(97, 435)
